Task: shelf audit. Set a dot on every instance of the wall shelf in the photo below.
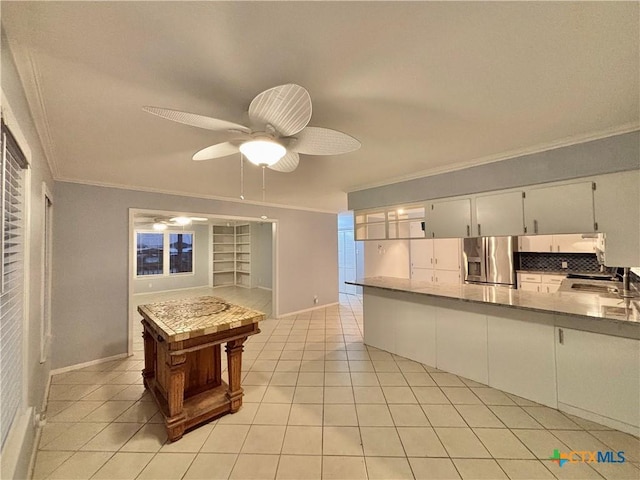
(231, 255)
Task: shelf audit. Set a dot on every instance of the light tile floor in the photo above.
(318, 404)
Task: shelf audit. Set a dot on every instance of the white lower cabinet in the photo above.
(599, 374)
(462, 342)
(415, 331)
(521, 355)
(378, 326)
(424, 274)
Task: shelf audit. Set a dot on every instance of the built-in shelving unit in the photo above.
(232, 255)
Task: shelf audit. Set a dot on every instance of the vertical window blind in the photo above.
(12, 286)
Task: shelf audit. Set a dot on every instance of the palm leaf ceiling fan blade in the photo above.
(218, 150)
(287, 108)
(196, 120)
(323, 141)
(287, 164)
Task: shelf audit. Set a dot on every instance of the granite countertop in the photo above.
(609, 308)
(178, 320)
(563, 272)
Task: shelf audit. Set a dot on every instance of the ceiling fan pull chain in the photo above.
(264, 189)
(241, 176)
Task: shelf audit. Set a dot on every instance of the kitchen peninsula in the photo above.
(576, 352)
(182, 358)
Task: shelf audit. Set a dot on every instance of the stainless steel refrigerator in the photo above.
(490, 260)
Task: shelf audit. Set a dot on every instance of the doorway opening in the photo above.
(350, 256)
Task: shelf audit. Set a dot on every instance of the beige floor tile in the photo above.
(381, 441)
(401, 395)
(620, 441)
(340, 415)
(244, 416)
(73, 437)
(461, 396)
(501, 443)
(305, 414)
(269, 355)
(257, 378)
(338, 395)
(51, 431)
(364, 379)
(134, 393)
(491, 396)
(579, 440)
(80, 465)
(421, 442)
(430, 395)
(385, 366)
(370, 415)
(461, 443)
(226, 439)
(471, 383)
(253, 393)
(47, 462)
(525, 469)
(379, 355)
(551, 419)
(76, 411)
(341, 441)
(214, 466)
(310, 379)
(408, 366)
(123, 466)
(574, 471)
(287, 366)
(336, 366)
(308, 395)
(104, 392)
(337, 379)
(278, 394)
(342, 468)
(149, 438)
(139, 412)
(108, 411)
(299, 467)
(313, 365)
(255, 467)
(523, 402)
(361, 366)
(540, 442)
(264, 439)
(169, 466)
(617, 471)
(408, 415)
(433, 469)
(514, 416)
(191, 442)
(302, 440)
(54, 407)
(447, 380)
(264, 365)
(371, 394)
(479, 469)
(272, 414)
(285, 379)
(112, 437)
(291, 355)
(419, 379)
(479, 416)
(386, 468)
(71, 392)
(392, 379)
(443, 416)
(125, 378)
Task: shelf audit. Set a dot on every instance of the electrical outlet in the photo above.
(565, 265)
(315, 299)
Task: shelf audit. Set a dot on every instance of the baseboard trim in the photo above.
(265, 288)
(594, 417)
(170, 290)
(90, 363)
(308, 309)
(15, 443)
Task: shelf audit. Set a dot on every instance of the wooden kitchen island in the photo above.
(182, 359)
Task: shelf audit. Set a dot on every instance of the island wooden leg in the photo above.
(149, 370)
(234, 365)
(175, 397)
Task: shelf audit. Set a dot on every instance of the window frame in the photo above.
(166, 253)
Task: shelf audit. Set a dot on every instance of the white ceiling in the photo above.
(425, 86)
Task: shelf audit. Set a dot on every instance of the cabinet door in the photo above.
(446, 254)
(421, 253)
(462, 343)
(599, 374)
(573, 243)
(529, 287)
(560, 209)
(414, 330)
(535, 243)
(379, 325)
(446, 277)
(550, 287)
(449, 219)
(522, 355)
(423, 274)
(500, 214)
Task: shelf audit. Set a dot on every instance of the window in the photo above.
(164, 253)
(14, 165)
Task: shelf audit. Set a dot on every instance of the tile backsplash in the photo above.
(576, 262)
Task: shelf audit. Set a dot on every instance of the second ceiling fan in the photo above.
(278, 134)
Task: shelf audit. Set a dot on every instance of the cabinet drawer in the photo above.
(554, 279)
(530, 277)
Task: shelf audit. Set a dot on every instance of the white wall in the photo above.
(19, 445)
(261, 253)
(91, 262)
(388, 258)
(201, 266)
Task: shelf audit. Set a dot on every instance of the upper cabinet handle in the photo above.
(468, 231)
(479, 234)
(535, 226)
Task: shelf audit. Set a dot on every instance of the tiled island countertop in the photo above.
(591, 312)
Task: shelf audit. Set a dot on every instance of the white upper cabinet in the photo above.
(499, 214)
(560, 209)
(449, 218)
(406, 222)
(371, 225)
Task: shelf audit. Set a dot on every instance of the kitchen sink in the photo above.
(589, 287)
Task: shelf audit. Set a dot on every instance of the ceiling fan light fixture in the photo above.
(159, 226)
(181, 220)
(263, 152)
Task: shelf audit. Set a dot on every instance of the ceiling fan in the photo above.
(278, 132)
(161, 223)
